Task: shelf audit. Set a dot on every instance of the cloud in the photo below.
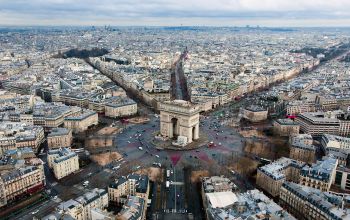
(168, 12)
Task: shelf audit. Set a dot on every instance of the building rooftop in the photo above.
(142, 182)
(274, 169)
(83, 115)
(328, 203)
(62, 154)
(221, 199)
(321, 170)
(255, 205)
(286, 121)
(133, 208)
(58, 132)
(255, 108)
(217, 184)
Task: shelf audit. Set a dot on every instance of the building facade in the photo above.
(309, 203)
(271, 176)
(20, 182)
(302, 149)
(81, 122)
(285, 127)
(255, 113)
(81, 208)
(124, 107)
(320, 175)
(59, 137)
(63, 162)
(131, 185)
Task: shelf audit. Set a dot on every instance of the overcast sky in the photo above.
(176, 12)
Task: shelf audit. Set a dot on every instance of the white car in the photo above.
(140, 148)
(157, 156)
(85, 183)
(34, 212)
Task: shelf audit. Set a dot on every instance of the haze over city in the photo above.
(298, 13)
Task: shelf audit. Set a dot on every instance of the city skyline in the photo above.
(173, 13)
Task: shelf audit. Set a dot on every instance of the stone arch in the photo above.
(175, 127)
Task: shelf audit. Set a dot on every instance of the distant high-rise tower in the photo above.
(178, 82)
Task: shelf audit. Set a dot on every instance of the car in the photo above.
(157, 156)
(34, 212)
(196, 157)
(140, 148)
(197, 150)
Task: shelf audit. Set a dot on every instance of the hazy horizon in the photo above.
(269, 13)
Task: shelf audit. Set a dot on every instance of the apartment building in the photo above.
(15, 135)
(62, 161)
(134, 209)
(335, 143)
(342, 178)
(82, 121)
(31, 136)
(319, 175)
(47, 115)
(271, 176)
(98, 214)
(285, 127)
(81, 208)
(298, 106)
(120, 107)
(16, 183)
(17, 102)
(59, 137)
(221, 203)
(255, 113)
(131, 185)
(215, 99)
(308, 203)
(318, 123)
(97, 198)
(302, 149)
